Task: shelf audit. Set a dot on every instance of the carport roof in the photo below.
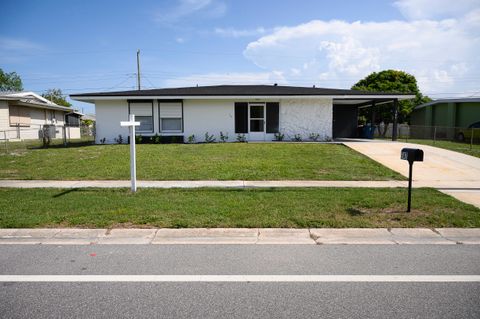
(239, 91)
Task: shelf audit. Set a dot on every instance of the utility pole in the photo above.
(138, 69)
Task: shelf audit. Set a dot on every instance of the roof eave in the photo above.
(44, 106)
(92, 98)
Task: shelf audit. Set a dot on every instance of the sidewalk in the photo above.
(194, 184)
(276, 236)
(447, 185)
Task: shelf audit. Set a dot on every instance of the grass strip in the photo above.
(207, 207)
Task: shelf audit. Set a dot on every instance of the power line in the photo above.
(216, 52)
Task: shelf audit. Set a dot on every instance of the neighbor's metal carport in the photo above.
(345, 114)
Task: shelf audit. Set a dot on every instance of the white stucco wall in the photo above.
(297, 116)
(108, 117)
(38, 118)
(4, 116)
(306, 116)
(212, 116)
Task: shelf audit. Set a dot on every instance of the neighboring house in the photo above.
(258, 111)
(447, 113)
(23, 116)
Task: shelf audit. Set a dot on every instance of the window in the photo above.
(143, 112)
(72, 120)
(19, 116)
(171, 116)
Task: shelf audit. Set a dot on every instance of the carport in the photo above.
(345, 112)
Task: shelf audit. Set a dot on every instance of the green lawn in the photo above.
(308, 207)
(229, 161)
(450, 145)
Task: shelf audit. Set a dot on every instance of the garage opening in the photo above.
(345, 120)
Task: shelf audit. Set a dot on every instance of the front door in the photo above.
(256, 123)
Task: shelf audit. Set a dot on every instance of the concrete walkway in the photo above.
(320, 236)
(453, 173)
(452, 185)
(194, 184)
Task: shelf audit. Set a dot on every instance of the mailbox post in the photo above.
(411, 155)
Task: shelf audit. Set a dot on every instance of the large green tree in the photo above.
(392, 81)
(10, 82)
(56, 96)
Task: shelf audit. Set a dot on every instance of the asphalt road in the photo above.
(240, 299)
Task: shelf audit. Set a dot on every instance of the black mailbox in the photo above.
(412, 154)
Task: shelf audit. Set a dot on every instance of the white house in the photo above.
(24, 114)
(258, 111)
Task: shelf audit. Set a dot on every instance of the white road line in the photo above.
(239, 278)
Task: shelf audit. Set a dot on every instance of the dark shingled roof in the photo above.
(235, 90)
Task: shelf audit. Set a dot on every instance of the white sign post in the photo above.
(133, 166)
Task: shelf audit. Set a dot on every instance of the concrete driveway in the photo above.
(453, 173)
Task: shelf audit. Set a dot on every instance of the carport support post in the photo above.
(373, 113)
(395, 120)
(373, 117)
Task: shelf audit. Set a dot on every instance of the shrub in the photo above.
(241, 138)
(279, 136)
(192, 139)
(209, 138)
(156, 139)
(297, 138)
(119, 139)
(223, 137)
(138, 139)
(314, 136)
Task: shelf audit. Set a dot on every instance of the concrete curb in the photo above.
(276, 236)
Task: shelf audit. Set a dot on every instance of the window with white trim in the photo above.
(144, 114)
(171, 117)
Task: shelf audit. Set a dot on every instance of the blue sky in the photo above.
(86, 46)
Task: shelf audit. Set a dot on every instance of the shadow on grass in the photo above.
(355, 211)
(69, 145)
(68, 191)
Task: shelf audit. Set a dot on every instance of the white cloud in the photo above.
(442, 54)
(14, 50)
(237, 33)
(187, 8)
(180, 40)
(227, 78)
(429, 9)
(12, 44)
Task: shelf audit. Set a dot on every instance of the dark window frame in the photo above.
(153, 117)
(160, 130)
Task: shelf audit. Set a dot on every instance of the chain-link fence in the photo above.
(47, 135)
(459, 139)
(470, 136)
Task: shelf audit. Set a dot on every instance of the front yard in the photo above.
(308, 207)
(229, 161)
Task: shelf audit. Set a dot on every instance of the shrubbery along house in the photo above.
(233, 112)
